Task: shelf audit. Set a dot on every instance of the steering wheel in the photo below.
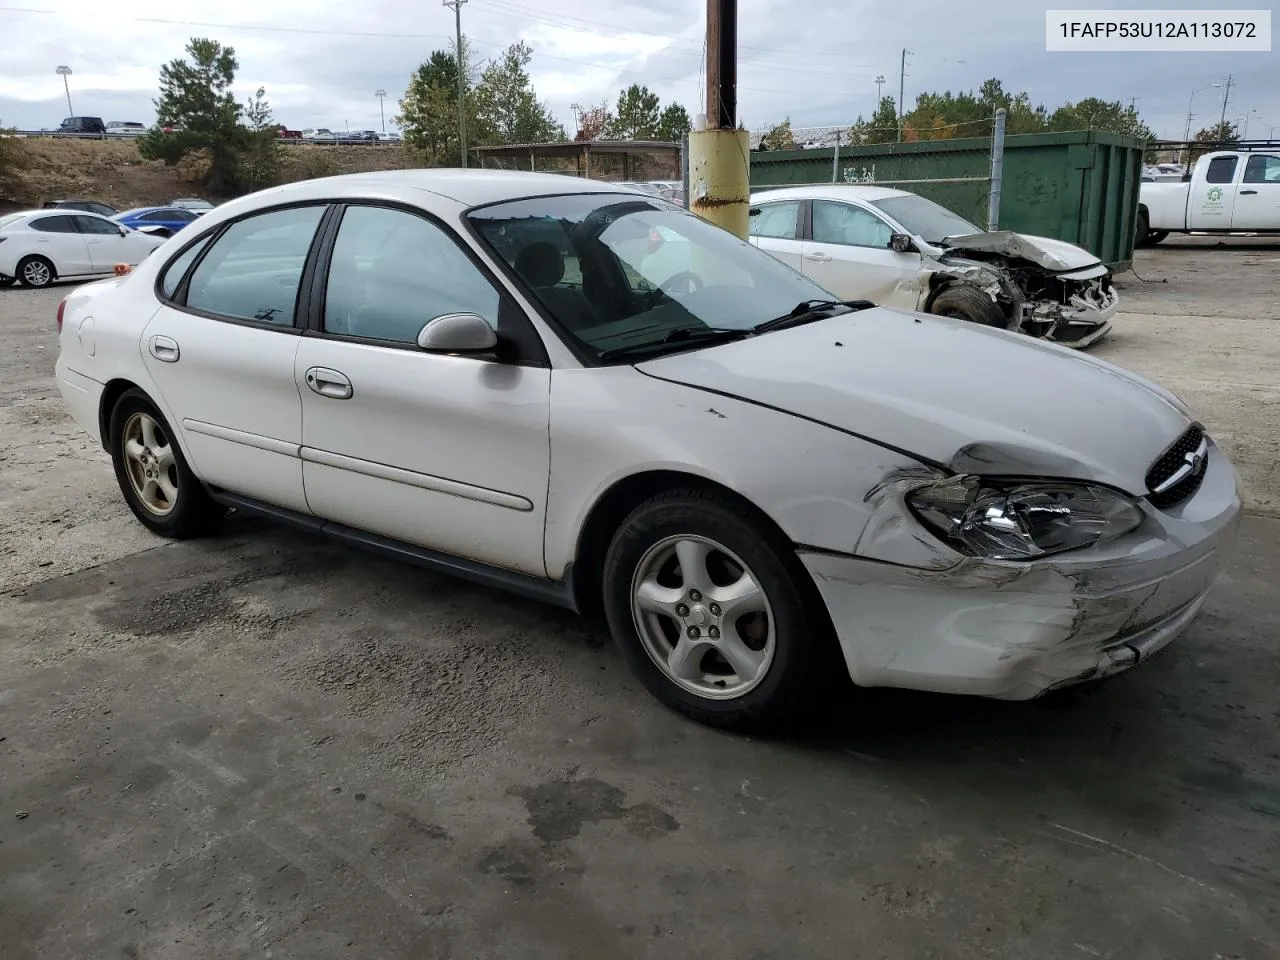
(691, 283)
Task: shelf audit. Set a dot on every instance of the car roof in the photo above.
(468, 187)
(829, 191)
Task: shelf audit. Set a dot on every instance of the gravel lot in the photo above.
(266, 745)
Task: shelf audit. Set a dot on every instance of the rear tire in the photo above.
(1155, 236)
(36, 272)
(716, 616)
(969, 303)
(163, 493)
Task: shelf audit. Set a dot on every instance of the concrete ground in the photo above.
(265, 745)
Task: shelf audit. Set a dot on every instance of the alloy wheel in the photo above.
(703, 617)
(150, 464)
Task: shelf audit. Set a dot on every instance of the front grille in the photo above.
(1174, 463)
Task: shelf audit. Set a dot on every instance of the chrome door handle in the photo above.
(164, 348)
(820, 257)
(329, 383)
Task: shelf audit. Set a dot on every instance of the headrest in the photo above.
(541, 264)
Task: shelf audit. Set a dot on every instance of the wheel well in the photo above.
(112, 392)
(613, 507)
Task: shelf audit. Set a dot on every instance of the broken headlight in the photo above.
(1022, 520)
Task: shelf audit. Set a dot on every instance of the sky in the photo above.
(814, 62)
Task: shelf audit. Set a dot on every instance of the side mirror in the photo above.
(458, 333)
(900, 243)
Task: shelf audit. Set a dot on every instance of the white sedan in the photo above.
(593, 397)
(899, 249)
(40, 246)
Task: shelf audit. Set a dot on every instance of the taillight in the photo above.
(62, 307)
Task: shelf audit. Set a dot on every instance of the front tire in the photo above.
(36, 272)
(969, 303)
(163, 493)
(716, 616)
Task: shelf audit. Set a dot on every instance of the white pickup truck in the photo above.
(1229, 191)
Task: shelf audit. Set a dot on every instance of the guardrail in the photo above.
(58, 135)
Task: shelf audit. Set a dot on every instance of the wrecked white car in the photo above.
(761, 491)
(898, 249)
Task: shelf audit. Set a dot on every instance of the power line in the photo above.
(312, 31)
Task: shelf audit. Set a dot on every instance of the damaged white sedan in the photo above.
(898, 249)
(760, 490)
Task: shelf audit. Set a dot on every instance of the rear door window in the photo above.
(1221, 170)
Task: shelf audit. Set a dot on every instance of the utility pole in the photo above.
(380, 94)
(902, 85)
(456, 6)
(1226, 96)
(719, 153)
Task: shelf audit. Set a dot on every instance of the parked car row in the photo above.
(94, 126)
(589, 395)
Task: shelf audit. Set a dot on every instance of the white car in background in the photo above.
(762, 492)
(38, 247)
(899, 249)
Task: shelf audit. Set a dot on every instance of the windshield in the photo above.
(624, 270)
(925, 219)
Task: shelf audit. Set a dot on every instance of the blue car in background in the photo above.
(160, 221)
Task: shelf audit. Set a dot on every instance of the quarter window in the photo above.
(393, 271)
(178, 268)
(253, 270)
(848, 225)
(776, 220)
(1262, 169)
(1221, 170)
(61, 224)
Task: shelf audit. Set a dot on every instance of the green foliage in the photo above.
(428, 113)
(1224, 132)
(944, 116)
(636, 116)
(1094, 114)
(779, 137)
(196, 102)
(259, 161)
(673, 123)
(881, 128)
(507, 106)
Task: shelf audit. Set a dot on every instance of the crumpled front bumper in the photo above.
(1084, 319)
(1014, 631)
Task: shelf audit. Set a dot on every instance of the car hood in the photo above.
(969, 398)
(1056, 256)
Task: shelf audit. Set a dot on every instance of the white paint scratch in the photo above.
(1124, 851)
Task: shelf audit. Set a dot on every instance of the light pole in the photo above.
(456, 6)
(1186, 136)
(880, 82)
(380, 94)
(64, 72)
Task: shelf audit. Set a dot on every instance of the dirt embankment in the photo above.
(113, 172)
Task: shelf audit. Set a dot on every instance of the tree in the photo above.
(592, 121)
(881, 128)
(1095, 114)
(506, 104)
(779, 137)
(636, 116)
(673, 123)
(429, 110)
(260, 156)
(1224, 132)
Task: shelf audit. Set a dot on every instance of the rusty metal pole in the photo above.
(719, 152)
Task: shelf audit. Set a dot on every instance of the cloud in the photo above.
(808, 60)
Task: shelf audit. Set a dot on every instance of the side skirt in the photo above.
(558, 593)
